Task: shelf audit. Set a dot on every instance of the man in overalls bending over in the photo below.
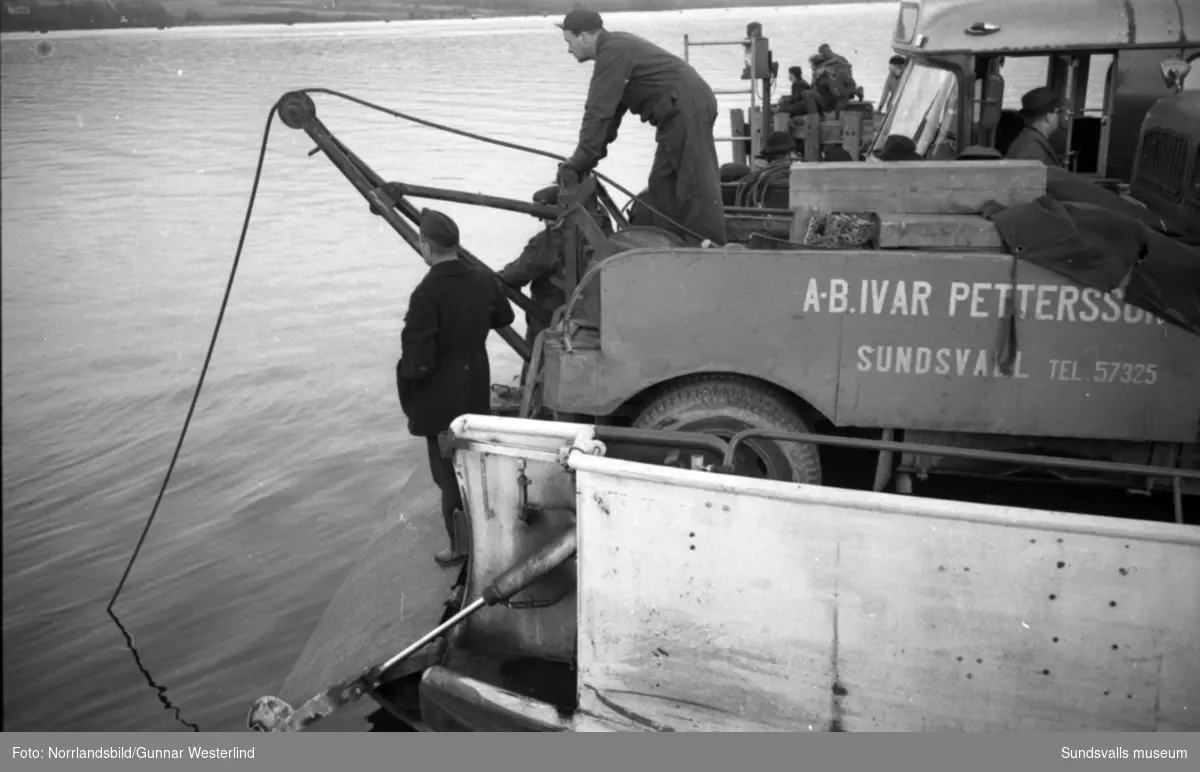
(634, 75)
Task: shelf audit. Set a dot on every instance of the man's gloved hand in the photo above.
(567, 175)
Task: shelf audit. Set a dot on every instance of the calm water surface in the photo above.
(127, 162)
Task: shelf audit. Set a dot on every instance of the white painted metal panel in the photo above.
(714, 603)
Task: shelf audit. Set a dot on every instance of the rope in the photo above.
(499, 143)
(753, 188)
(262, 155)
(129, 641)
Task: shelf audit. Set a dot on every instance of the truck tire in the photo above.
(726, 405)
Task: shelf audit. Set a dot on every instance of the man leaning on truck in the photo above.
(633, 75)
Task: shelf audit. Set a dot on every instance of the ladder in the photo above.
(749, 135)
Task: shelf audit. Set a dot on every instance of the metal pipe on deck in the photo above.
(1175, 474)
(948, 451)
(759, 211)
(741, 42)
(543, 211)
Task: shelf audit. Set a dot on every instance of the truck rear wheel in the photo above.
(726, 405)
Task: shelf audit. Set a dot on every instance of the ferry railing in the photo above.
(758, 51)
(1175, 474)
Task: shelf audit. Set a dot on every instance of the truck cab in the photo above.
(1109, 60)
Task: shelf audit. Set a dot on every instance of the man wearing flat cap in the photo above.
(634, 75)
(443, 370)
(541, 265)
(1043, 113)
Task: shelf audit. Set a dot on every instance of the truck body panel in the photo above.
(878, 339)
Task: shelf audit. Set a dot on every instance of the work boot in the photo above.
(456, 554)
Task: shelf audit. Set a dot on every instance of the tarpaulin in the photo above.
(1103, 241)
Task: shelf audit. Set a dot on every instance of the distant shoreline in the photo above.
(55, 19)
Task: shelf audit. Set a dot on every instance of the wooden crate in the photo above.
(913, 231)
(847, 128)
(910, 187)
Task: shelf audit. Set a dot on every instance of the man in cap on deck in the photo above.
(1043, 113)
(443, 370)
(541, 266)
(634, 75)
(778, 147)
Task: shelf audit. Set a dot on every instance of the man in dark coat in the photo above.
(1043, 114)
(634, 75)
(443, 370)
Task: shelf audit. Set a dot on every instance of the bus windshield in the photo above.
(925, 111)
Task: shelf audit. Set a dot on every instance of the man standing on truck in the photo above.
(443, 370)
(895, 70)
(1043, 114)
(634, 75)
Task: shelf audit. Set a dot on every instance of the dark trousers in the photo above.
(443, 475)
(685, 178)
(790, 105)
(816, 102)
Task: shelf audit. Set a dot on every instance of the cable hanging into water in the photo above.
(162, 692)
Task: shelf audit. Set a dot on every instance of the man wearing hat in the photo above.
(1043, 113)
(634, 75)
(540, 265)
(779, 146)
(443, 370)
(898, 147)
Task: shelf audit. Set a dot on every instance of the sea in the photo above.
(128, 163)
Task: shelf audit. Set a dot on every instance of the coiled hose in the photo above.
(752, 189)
